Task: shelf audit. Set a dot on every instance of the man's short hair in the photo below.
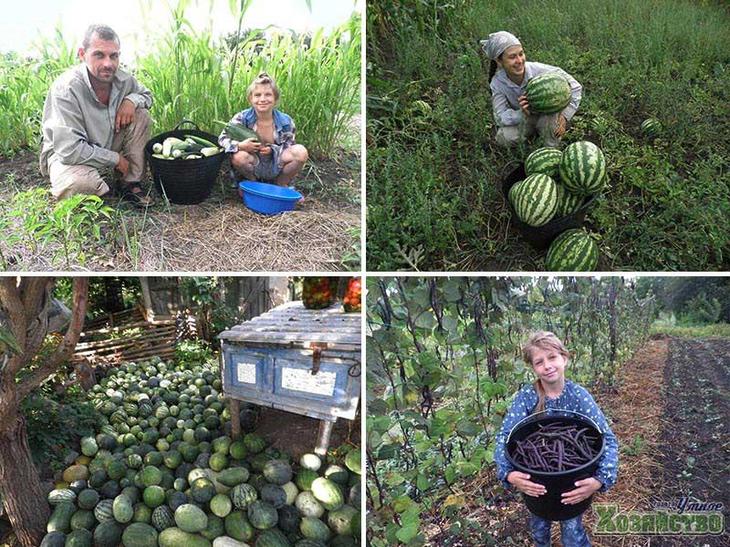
(102, 31)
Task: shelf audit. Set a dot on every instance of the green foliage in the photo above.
(205, 293)
(190, 354)
(69, 229)
(443, 359)
(683, 296)
(434, 171)
(719, 330)
(702, 309)
(55, 423)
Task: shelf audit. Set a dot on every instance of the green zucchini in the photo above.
(240, 132)
(205, 143)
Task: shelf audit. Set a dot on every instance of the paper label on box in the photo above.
(322, 383)
(246, 373)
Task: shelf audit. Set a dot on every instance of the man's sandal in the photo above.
(133, 193)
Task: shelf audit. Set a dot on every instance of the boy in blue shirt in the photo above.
(277, 158)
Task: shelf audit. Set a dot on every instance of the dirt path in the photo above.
(220, 234)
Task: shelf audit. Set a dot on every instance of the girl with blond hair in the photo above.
(551, 391)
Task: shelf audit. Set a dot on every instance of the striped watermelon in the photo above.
(572, 251)
(103, 510)
(583, 168)
(548, 93)
(568, 202)
(543, 160)
(651, 128)
(535, 199)
(60, 495)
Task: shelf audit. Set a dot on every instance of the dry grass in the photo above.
(226, 236)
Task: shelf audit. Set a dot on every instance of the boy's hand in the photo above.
(586, 487)
(524, 105)
(265, 150)
(523, 484)
(252, 146)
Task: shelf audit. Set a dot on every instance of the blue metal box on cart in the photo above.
(295, 359)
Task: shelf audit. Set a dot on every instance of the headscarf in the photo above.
(497, 42)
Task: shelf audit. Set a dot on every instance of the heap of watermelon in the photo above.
(557, 185)
(162, 471)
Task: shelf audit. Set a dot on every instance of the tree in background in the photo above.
(692, 299)
(24, 308)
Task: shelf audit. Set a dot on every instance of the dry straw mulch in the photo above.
(226, 236)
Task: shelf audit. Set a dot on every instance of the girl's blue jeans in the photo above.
(572, 532)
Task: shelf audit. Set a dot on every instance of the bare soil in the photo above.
(220, 234)
(297, 434)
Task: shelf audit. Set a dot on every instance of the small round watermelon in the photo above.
(583, 168)
(651, 128)
(572, 251)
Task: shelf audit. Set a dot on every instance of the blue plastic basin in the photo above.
(268, 199)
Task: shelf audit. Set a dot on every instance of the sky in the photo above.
(22, 22)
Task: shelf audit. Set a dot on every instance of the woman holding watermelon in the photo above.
(555, 100)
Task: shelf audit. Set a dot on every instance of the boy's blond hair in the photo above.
(543, 340)
(263, 79)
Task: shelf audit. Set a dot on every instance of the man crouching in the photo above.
(96, 116)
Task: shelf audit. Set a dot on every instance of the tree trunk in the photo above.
(25, 303)
(20, 485)
(613, 320)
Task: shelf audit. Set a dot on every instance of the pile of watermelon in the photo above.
(160, 472)
(557, 185)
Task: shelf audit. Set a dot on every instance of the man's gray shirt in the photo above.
(505, 93)
(78, 128)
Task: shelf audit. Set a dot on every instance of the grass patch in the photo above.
(717, 330)
(434, 168)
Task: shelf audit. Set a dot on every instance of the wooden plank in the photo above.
(100, 344)
(296, 337)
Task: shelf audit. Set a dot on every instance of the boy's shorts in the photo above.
(266, 169)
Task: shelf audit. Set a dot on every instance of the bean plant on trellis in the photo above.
(443, 360)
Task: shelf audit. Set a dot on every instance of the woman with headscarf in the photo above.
(509, 73)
